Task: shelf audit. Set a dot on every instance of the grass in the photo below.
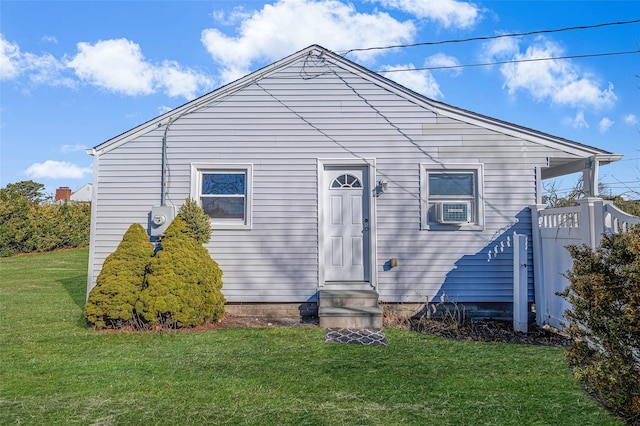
(53, 370)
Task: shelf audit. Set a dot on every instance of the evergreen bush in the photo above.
(198, 223)
(111, 303)
(30, 223)
(183, 283)
(604, 321)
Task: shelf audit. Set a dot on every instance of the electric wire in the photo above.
(512, 61)
(483, 38)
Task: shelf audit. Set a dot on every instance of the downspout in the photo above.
(164, 155)
(164, 164)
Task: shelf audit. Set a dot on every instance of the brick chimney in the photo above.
(63, 193)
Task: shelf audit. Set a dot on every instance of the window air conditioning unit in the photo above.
(453, 213)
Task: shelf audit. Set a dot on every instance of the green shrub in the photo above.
(28, 223)
(182, 284)
(111, 303)
(198, 223)
(604, 321)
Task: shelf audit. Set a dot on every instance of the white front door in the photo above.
(346, 224)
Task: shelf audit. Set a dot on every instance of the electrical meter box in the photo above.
(160, 218)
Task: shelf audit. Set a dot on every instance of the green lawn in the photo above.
(53, 370)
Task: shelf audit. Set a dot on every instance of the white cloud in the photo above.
(50, 39)
(118, 65)
(631, 119)
(41, 69)
(576, 92)
(420, 81)
(605, 125)
(281, 28)
(72, 148)
(450, 13)
(501, 48)
(238, 14)
(559, 81)
(443, 60)
(9, 59)
(578, 122)
(115, 65)
(46, 69)
(178, 81)
(51, 169)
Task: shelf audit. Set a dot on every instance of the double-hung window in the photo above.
(224, 193)
(452, 196)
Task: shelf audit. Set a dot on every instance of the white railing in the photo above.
(565, 217)
(615, 220)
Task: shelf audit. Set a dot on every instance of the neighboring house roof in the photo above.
(572, 156)
(83, 194)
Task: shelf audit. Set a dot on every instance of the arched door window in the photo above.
(346, 181)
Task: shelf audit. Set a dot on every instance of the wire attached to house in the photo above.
(512, 61)
(484, 38)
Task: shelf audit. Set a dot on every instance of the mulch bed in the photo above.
(489, 331)
(475, 330)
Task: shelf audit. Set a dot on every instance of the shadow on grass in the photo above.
(76, 288)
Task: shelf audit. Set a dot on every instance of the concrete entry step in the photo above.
(352, 309)
(347, 298)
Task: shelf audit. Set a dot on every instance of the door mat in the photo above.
(373, 337)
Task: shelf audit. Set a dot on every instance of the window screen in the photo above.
(223, 195)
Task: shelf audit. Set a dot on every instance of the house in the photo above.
(321, 174)
(64, 194)
(83, 194)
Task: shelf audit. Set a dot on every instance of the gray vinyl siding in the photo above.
(282, 127)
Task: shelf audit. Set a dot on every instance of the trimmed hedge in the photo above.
(29, 223)
(178, 286)
(111, 303)
(183, 282)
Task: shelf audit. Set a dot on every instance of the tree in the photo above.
(32, 191)
(17, 204)
(552, 197)
(111, 303)
(28, 223)
(198, 223)
(183, 284)
(604, 321)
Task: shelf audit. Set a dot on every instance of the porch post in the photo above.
(592, 221)
(590, 177)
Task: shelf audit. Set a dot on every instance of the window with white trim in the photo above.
(452, 196)
(224, 193)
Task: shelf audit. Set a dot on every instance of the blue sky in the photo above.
(73, 74)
